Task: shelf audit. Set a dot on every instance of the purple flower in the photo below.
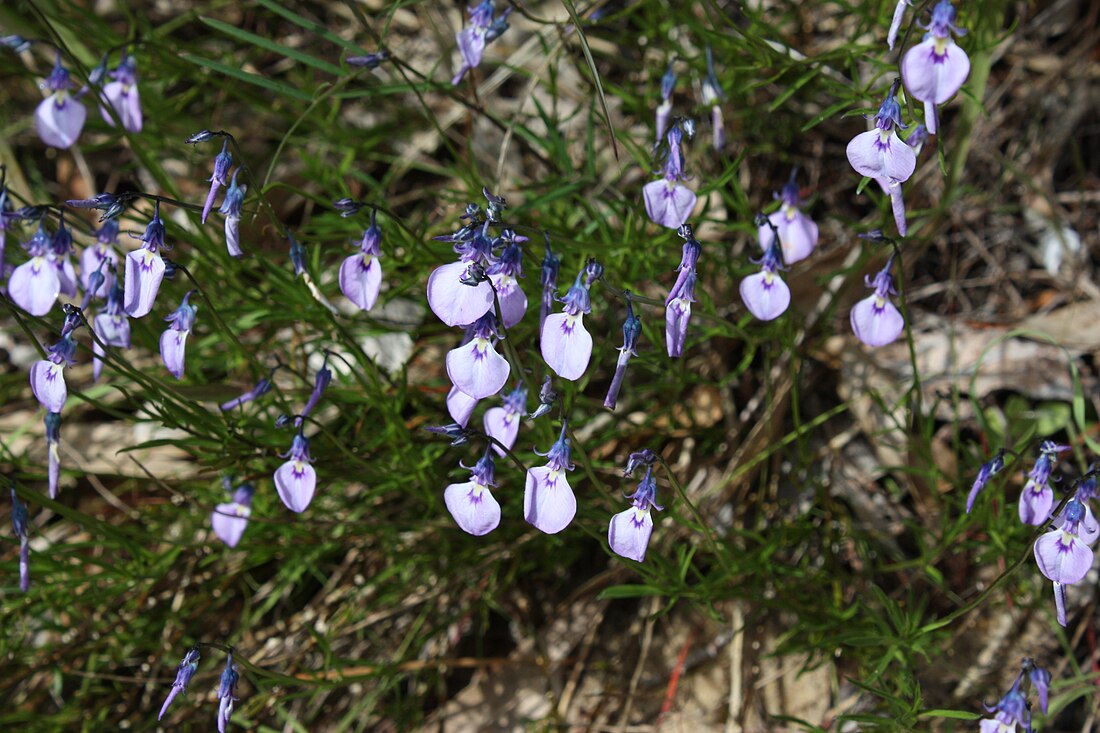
(454, 432)
(262, 387)
(712, 95)
(566, 345)
(483, 28)
(476, 368)
(629, 531)
(934, 69)
(145, 270)
(456, 294)
(880, 153)
(173, 342)
(370, 61)
(111, 327)
(765, 294)
(895, 23)
(460, 406)
(61, 247)
(1040, 679)
(632, 329)
(47, 379)
(502, 423)
(988, 470)
(36, 284)
(296, 480)
(1037, 497)
(220, 177)
(682, 295)
(229, 520)
(664, 110)
(19, 519)
(471, 503)
(548, 278)
(60, 117)
(504, 274)
(917, 138)
(1063, 554)
(184, 673)
(361, 274)
(122, 95)
(53, 458)
(320, 383)
(547, 399)
(1010, 711)
(548, 500)
(231, 209)
(227, 693)
(100, 257)
(876, 321)
(797, 232)
(667, 201)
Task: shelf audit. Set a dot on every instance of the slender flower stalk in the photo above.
(19, 521)
(184, 673)
(632, 329)
(548, 501)
(471, 503)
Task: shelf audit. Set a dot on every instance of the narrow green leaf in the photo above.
(953, 714)
(269, 45)
(261, 81)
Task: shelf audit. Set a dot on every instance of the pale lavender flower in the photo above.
(262, 387)
(713, 95)
(934, 69)
(1063, 554)
(227, 693)
(483, 29)
(47, 378)
(502, 423)
(476, 368)
(504, 274)
(35, 285)
(895, 23)
(664, 109)
(1010, 711)
(220, 177)
(629, 531)
(548, 501)
(897, 203)
(61, 247)
(460, 405)
(361, 274)
(112, 328)
(19, 519)
(917, 138)
(880, 153)
(229, 520)
(682, 295)
(231, 209)
(122, 95)
(667, 201)
(173, 342)
(797, 232)
(632, 329)
(876, 321)
(296, 480)
(145, 269)
(565, 343)
(765, 294)
(460, 293)
(471, 503)
(100, 257)
(53, 456)
(60, 117)
(184, 673)
(1040, 680)
(321, 382)
(1037, 498)
(988, 470)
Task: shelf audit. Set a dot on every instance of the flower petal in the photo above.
(1035, 505)
(513, 301)
(1063, 557)
(296, 481)
(566, 345)
(502, 425)
(59, 120)
(875, 325)
(454, 303)
(628, 533)
(48, 385)
(361, 279)
(229, 522)
(477, 369)
(173, 348)
(35, 286)
(460, 406)
(668, 203)
(765, 295)
(473, 507)
(548, 500)
(144, 272)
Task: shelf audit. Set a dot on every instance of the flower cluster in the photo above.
(227, 686)
(1013, 709)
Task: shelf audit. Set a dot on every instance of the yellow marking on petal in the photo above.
(299, 467)
(477, 490)
(481, 345)
(940, 46)
(55, 369)
(148, 256)
(880, 302)
(789, 212)
(768, 277)
(640, 514)
(884, 136)
(37, 263)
